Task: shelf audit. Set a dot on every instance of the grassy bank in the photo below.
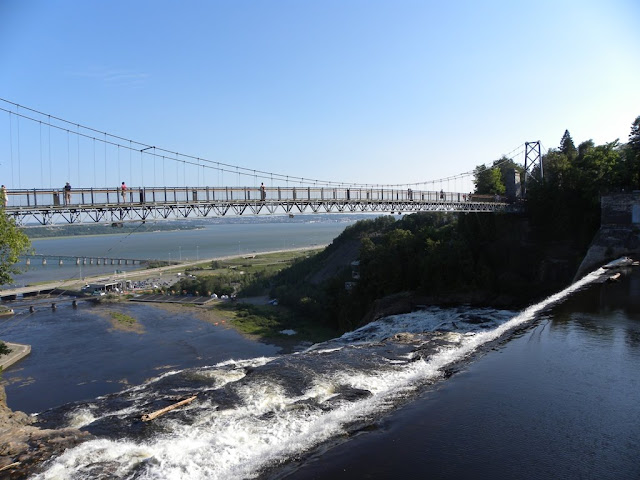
(273, 322)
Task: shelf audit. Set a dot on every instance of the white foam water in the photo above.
(274, 419)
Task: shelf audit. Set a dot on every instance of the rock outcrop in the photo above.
(24, 446)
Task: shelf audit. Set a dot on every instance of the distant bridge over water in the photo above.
(88, 260)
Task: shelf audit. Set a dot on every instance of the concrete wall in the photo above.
(620, 209)
(619, 233)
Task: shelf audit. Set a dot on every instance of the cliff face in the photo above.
(525, 264)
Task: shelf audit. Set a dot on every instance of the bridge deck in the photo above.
(109, 205)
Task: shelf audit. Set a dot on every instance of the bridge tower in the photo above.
(532, 159)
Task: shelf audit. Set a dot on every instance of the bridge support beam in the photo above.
(532, 164)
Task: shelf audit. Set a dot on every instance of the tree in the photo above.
(633, 154)
(488, 181)
(599, 167)
(567, 146)
(634, 136)
(13, 243)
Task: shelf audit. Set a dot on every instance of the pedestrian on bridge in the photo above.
(123, 192)
(67, 193)
(263, 192)
(3, 196)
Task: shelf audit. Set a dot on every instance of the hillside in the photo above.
(427, 259)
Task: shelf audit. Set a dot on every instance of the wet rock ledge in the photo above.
(24, 446)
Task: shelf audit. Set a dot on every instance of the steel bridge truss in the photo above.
(184, 203)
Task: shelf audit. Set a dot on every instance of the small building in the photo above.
(116, 286)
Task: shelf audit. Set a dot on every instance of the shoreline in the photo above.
(141, 273)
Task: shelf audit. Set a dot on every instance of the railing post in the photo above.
(308, 193)
(35, 198)
(92, 196)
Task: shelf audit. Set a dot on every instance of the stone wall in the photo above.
(619, 234)
(622, 209)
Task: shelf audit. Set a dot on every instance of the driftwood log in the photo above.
(11, 465)
(150, 416)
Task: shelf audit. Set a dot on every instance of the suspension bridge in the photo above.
(59, 145)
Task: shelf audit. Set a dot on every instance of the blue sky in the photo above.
(362, 91)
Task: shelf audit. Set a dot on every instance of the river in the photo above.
(548, 392)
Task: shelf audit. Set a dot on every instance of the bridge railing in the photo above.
(113, 197)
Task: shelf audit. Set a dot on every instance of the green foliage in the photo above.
(493, 181)
(567, 146)
(488, 181)
(218, 284)
(632, 155)
(4, 349)
(122, 318)
(269, 321)
(13, 243)
(428, 253)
